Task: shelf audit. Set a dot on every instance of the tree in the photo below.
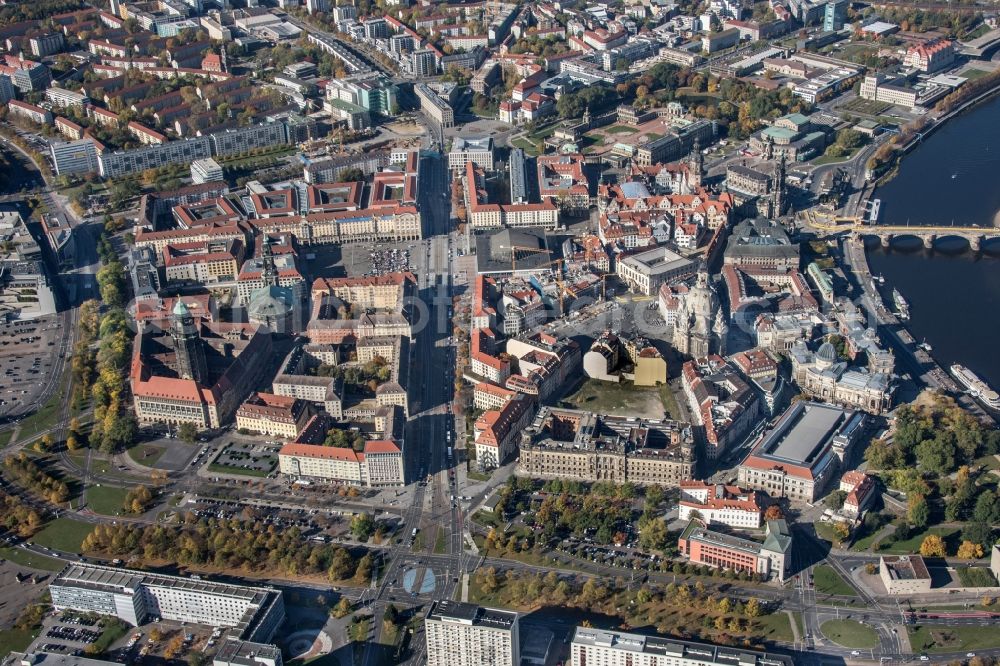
(362, 526)
(752, 607)
(774, 513)
(970, 551)
(932, 546)
(986, 508)
(835, 500)
(917, 511)
(842, 530)
(187, 432)
(343, 608)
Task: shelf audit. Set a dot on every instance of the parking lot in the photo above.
(28, 351)
(245, 457)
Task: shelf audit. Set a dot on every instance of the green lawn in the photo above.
(973, 74)
(147, 454)
(525, 145)
(30, 560)
(849, 633)
(106, 500)
(226, 469)
(866, 106)
(989, 462)
(5, 437)
(621, 129)
(829, 159)
(63, 534)
(774, 627)
(976, 577)
(15, 640)
(440, 543)
(952, 639)
(100, 464)
(113, 630)
(829, 581)
(912, 545)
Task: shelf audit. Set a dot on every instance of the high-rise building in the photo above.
(74, 156)
(461, 634)
(188, 346)
(423, 63)
(834, 15)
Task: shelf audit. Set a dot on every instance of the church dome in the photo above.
(269, 303)
(180, 310)
(827, 353)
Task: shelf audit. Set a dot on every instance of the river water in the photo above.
(954, 294)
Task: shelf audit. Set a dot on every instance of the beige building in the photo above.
(460, 634)
(904, 574)
(644, 272)
(380, 464)
(273, 415)
(572, 444)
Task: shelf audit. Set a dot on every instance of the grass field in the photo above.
(146, 454)
(976, 577)
(525, 145)
(226, 469)
(774, 627)
(952, 639)
(30, 560)
(63, 534)
(912, 545)
(15, 640)
(5, 437)
(99, 464)
(106, 500)
(866, 106)
(973, 74)
(440, 543)
(623, 399)
(849, 633)
(621, 129)
(829, 581)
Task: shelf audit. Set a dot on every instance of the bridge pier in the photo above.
(929, 241)
(885, 240)
(976, 242)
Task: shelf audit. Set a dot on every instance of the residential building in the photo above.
(423, 63)
(768, 559)
(803, 451)
(71, 157)
(497, 432)
(36, 114)
(485, 215)
(723, 404)
(834, 15)
(590, 647)
(63, 98)
(461, 634)
(587, 447)
(861, 490)
(716, 504)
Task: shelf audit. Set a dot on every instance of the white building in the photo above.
(206, 171)
(137, 597)
(461, 634)
(721, 505)
(594, 647)
(479, 151)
